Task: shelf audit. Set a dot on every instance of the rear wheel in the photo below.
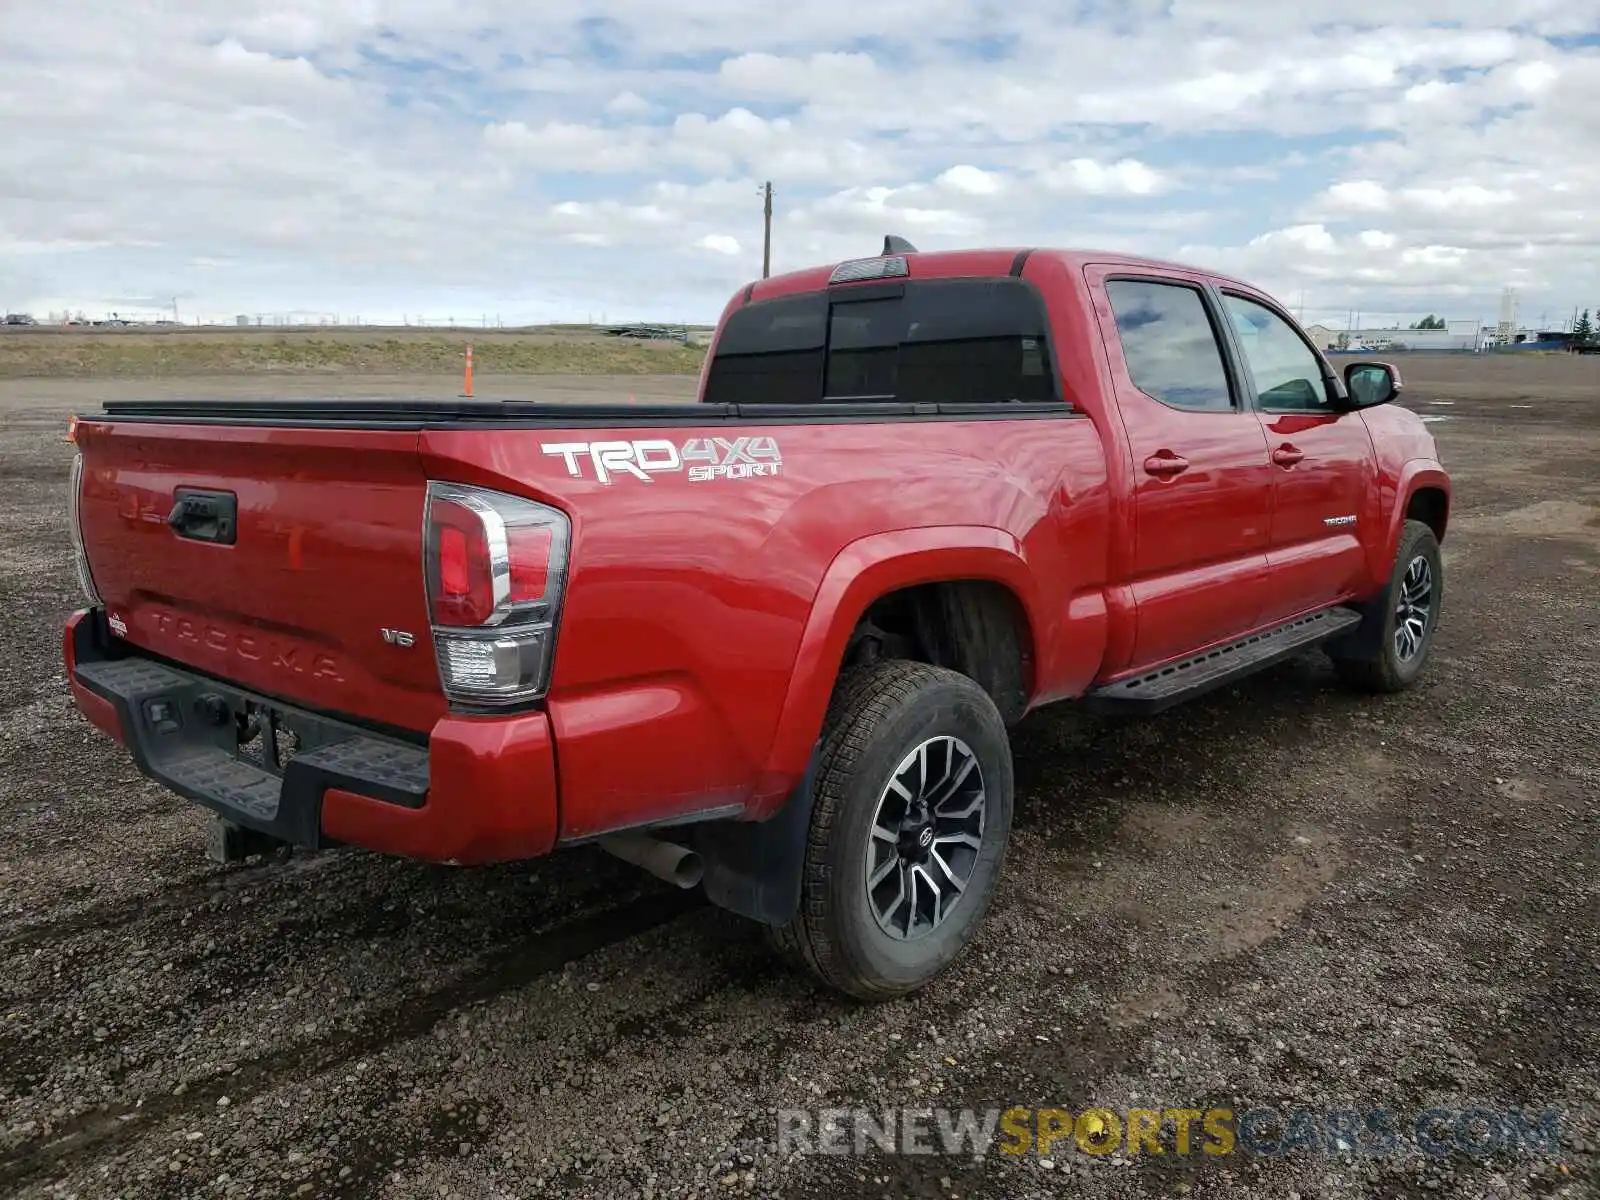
(1387, 651)
(909, 825)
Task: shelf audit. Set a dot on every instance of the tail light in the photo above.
(79, 557)
(496, 568)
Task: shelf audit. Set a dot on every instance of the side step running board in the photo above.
(1165, 686)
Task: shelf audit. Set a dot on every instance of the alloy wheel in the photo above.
(1414, 609)
(927, 831)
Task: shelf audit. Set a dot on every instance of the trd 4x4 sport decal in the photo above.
(704, 458)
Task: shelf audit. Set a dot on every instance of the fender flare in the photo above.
(1417, 474)
(859, 574)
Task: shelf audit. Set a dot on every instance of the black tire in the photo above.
(1369, 658)
(880, 714)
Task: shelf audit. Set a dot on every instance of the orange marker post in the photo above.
(466, 393)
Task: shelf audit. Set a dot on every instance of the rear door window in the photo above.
(1169, 344)
(936, 341)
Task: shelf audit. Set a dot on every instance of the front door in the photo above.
(1202, 476)
(1324, 472)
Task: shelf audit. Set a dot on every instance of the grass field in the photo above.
(186, 352)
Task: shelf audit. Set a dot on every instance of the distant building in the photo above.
(1537, 339)
(241, 319)
(1323, 337)
(1457, 335)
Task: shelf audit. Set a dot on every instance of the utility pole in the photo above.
(766, 236)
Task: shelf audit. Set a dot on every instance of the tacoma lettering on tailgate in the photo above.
(251, 647)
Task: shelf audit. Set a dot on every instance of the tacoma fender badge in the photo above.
(1348, 520)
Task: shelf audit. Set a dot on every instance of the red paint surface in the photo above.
(491, 797)
(704, 622)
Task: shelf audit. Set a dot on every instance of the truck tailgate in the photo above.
(324, 558)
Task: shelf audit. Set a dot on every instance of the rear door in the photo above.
(1203, 479)
(1324, 470)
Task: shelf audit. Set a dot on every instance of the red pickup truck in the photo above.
(770, 643)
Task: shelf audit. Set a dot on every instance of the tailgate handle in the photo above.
(205, 516)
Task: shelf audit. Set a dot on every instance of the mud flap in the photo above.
(753, 868)
(1364, 639)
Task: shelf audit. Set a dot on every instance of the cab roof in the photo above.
(998, 260)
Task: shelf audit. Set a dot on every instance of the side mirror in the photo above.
(1371, 383)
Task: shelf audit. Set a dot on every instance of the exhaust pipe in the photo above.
(676, 864)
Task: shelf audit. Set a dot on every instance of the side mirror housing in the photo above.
(1369, 384)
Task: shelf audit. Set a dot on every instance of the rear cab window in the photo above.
(930, 341)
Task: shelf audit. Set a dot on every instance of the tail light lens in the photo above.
(79, 557)
(496, 568)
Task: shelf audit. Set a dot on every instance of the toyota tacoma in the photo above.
(768, 644)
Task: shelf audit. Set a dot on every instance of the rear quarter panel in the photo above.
(688, 602)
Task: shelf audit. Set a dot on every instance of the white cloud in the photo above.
(972, 181)
(628, 104)
(1457, 197)
(560, 146)
(1312, 238)
(1125, 177)
(1359, 195)
(911, 209)
(609, 153)
(1433, 256)
(1535, 77)
(1436, 92)
(761, 74)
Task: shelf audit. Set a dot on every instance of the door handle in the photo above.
(1287, 455)
(1164, 463)
(204, 516)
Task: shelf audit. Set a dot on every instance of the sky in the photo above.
(602, 160)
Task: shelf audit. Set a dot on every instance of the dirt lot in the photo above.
(1283, 897)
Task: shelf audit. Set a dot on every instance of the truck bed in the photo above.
(698, 579)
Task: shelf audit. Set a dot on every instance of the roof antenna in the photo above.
(897, 245)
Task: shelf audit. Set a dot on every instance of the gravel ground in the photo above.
(1282, 896)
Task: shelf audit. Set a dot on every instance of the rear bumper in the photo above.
(483, 789)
